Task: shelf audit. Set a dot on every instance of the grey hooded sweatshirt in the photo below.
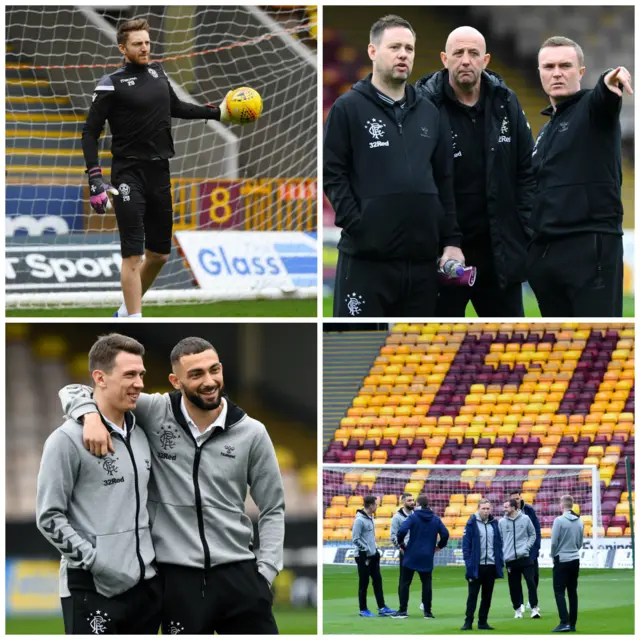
(518, 536)
(566, 537)
(398, 518)
(94, 510)
(363, 533)
(486, 540)
(197, 494)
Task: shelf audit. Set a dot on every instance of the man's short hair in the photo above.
(561, 41)
(387, 22)
(125, 28)
(404, 496)
(484, 501)
(189, 347)
(566, 501)
(513, 503)
(369, 501)
(103, 353)
(423, 501)
(515, 492)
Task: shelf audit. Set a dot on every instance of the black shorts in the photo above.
(143, 206)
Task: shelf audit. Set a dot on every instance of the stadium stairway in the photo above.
(347, 358)
(43, 130)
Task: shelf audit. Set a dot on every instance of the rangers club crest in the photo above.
(98, 622)
(354, 304)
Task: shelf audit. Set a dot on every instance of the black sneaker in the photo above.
(400, 615)
(561, 628)
(572, 627)
(428, 614)
(467, 626)
(485, 626)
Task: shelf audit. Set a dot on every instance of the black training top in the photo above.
(138, 102)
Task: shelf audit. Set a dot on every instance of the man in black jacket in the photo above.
(388, 175)
(575, 261)
(493, 178)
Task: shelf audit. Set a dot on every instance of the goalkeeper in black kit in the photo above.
(138, 102)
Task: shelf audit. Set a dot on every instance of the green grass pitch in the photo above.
(530, 307)
(290, 621)
(241, 308)
(605, 599)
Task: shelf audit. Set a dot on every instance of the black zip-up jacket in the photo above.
(139, 102)
(577, 160)
(510, 183)
(390, 182)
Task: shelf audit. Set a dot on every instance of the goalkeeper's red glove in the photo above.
(98, 190)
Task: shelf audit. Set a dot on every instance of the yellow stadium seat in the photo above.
(614, 532)
(457, 498)
(468, 509)
(379, 457)
(390, 499)
(461, 521)
(356, 501)
(545, 532)
(338, 501)
(332, 512)
(453, 510)
(473, 499)
(622, 509)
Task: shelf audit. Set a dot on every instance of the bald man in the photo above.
(575, 262)
(493, 177)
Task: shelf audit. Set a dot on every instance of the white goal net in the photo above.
(226, 179)
(453, 492)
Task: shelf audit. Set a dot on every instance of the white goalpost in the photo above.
(245, 198)
(453, 492)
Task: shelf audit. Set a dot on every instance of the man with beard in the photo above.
(205, 450)
(408, 505)
(529, 511)
(575, 262)
(388, 176)
(493, 178)
(108, 578)
(482, 553)
(138, 102)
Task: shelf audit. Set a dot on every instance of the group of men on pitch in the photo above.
(488, 545)
(447, 169)
(145, 501)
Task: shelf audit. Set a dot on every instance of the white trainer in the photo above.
(535, 612)
(518, 614)
(522, 609)
(421, 606)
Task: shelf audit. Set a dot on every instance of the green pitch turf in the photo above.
(530, 307)
(605, 598)
(290, 621)
(237, 309)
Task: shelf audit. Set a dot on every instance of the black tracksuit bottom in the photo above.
(578, 275)
(516, 569)
(405, 583)
(383, 289)
(486, 295)
(134, 612)
(565, 578)
(369, 568)
(227, 599)
(483, 585)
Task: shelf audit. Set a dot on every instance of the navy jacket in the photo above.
(471, 548)
(530, 511)
(390, 182)
(510, 183)
(424, 527)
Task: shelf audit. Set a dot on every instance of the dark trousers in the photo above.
(487, 297)
(395, 288)
(369, 568)
(405, 583)
(227, 599)
(400, 572)
(516, 569)
(483, 585)
(565, 577)
(578, 276)
(536, 572)
(135, 612)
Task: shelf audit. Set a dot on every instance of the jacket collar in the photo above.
(365, 87)
(129, 421)
(565, 104)
(433, 85)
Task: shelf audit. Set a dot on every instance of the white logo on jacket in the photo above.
(131, 82)
(375, 129)
(98, 622)
(456, 152)
(125, 190)
(175, 628)
(504, 131)
(563, 126)
(153, 72)
(354, 304)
